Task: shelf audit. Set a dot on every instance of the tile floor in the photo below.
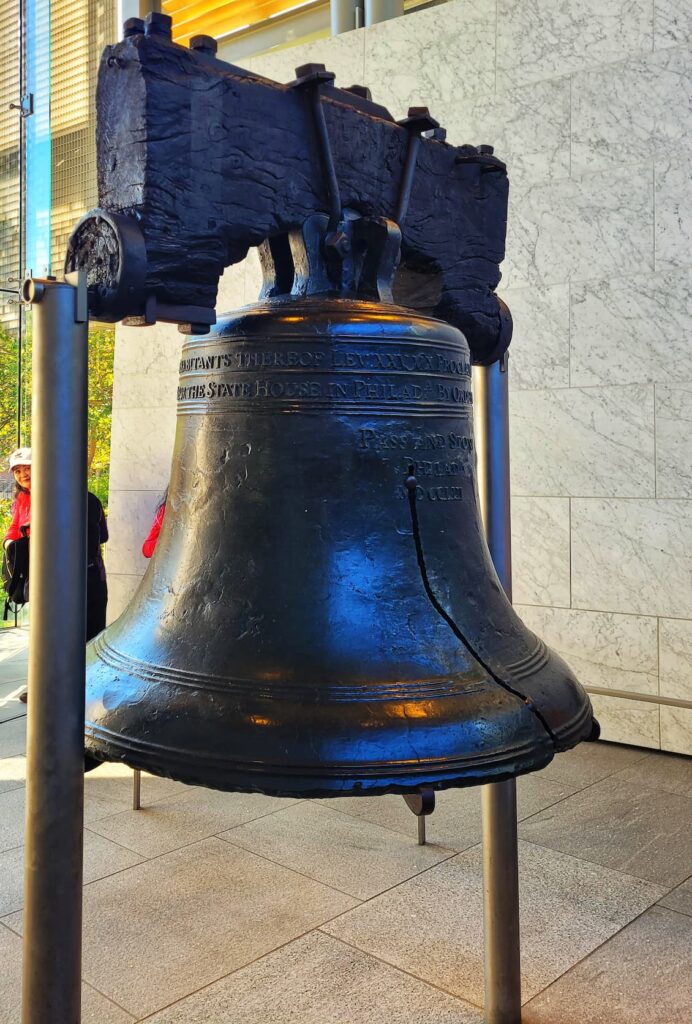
(210, 908)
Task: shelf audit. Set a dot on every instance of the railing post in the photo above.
(55, 710)
(499, 799)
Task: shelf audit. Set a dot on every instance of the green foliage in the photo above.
(101, 344)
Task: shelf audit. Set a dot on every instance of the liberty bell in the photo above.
(321, 615)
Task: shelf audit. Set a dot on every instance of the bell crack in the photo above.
(411, 487)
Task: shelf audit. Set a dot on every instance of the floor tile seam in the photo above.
(228, 974)
(387, 828)
(109, 999)
(241, 849)
(166, 800)
(635, 786)
(605, 867)
(400, 832)
(157, 856)
(120, 846)
(401, 970)
(672, 910)
(302, 874)
(362, 900)
(577, 792)
(591, 953)
(20, 846)
(11, 789)
(367, 821)
(16, 718)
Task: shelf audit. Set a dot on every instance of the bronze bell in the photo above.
(321, 615)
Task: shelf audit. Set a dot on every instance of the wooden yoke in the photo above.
(198, 160)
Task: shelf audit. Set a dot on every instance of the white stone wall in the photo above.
(588, 101)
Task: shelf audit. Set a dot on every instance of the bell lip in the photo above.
(317, 781)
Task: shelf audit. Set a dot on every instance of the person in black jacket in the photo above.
(97, 590)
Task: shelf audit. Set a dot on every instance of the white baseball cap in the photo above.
(20, 457)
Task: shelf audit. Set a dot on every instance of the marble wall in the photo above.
(588, 101)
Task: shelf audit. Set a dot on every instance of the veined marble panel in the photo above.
(432, 58)
(130, 515)
(145, 366)
(676, 729)
(583, 442)
(343, 54)
(540, 551)
(540, 343)
(674, 440)
(673, 195)
(581, 228)
(672, 23)
(121, 590)
(543, 38)
(616, 652)
(231, 293)
(629, 330)
(141, 448)
(632, 556)
(529, 128)
(253, 277)
(627, 721)
(629, 112)
(675, 640)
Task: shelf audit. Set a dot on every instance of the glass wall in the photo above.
(49, 54)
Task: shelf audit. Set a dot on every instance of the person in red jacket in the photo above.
(97, 534)
(20, 464)
(149, 545)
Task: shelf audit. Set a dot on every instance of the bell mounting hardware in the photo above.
(198, 160)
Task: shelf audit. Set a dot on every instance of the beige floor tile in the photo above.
(13, 737)
(642, 976)
(101, 858)
(347, 853)
(670, 772)
(317, 980)
(11, 819)
(10, 704)
(170, 824)
(96, 1009)
(163, 929)
(432, 925)
(679, 899)
(114, 782)
(456, 821)
(621, 825)
(12, 773)
(590, 762)
(11, 711)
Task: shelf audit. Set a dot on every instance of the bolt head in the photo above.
(305, 70)
(133, 27)
(157, 24)
(360, 90)
(204, 44)
(486, 150)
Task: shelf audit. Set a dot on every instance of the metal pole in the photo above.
(136, 790)
(382, 10)
(343, 15)
(499, 799)
(55, 726)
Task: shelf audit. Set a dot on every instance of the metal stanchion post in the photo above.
(55, 711)
(136, 790)
(499, 799)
